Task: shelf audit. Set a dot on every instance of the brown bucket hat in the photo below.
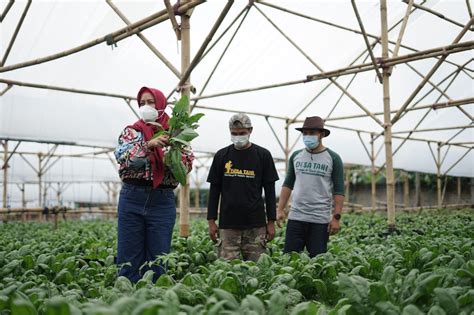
(314, 123)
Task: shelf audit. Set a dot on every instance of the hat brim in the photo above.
(326, 131)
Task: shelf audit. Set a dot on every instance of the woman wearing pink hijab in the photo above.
(146, 209)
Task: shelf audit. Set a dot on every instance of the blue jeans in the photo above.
(313, 236)
(146, 218)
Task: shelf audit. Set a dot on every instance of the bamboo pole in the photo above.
(459, 190)
(366, 40)
(5, 11)
(469, 45)
(441, 16)
(124, 97)
(377, 38)
(207, 40)
(15, 33)
(359, 104)
(146, 41)
(430, 73)
(434, 129)
(417, 190)
(185, 91)
(112, 38)
(373, 176)
(387, 125)
(402, 29)
(438, 176)
(5, 90)
(469, 10)
(406, 190)
(441, 105)
(174, 23)
(5, 172)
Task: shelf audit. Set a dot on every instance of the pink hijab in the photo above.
(148, 130)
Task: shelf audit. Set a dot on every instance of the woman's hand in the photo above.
(158, 142)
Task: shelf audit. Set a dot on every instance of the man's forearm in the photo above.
(270, 201)
(213, 204)
(284, 197)
(338, 203)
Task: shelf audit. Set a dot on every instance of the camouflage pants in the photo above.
(249, 242)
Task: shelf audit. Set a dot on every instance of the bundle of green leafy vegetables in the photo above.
(182, 130)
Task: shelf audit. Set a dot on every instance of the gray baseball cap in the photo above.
(240, 120)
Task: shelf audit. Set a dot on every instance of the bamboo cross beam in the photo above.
(366, 40)
(377, 38)
(441, 16)
(204, 45)
(434, 129)
(127, 99)
(5, 11)
(430, 74)
(353, 69)
(15, 34)
(113, 37)
(64, 89)
(441, 105)
(359, 104)
(146, 41)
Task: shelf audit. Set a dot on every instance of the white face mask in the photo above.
(240, 141)
(148, 113)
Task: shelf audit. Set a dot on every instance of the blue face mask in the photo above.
(311, 142)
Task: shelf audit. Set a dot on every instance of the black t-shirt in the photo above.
(241, 174)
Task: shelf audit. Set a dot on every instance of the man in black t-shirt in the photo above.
(238, 175)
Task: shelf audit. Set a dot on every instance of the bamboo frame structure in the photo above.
(377, 38)
(114, 37)
(385, 63)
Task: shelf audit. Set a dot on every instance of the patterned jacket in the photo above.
(132, 156)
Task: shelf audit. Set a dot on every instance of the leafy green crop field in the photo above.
(427, 268)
